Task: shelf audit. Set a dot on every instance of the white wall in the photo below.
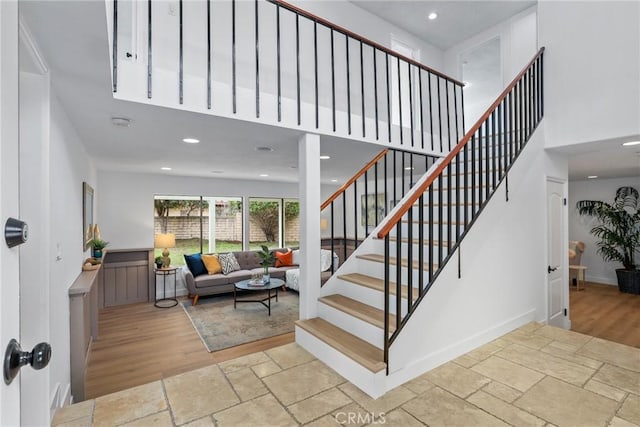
(518, 40)
(592, 64)
(579, 226)
(504, 277)
(69, 166)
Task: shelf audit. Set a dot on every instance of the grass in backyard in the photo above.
(192, 246)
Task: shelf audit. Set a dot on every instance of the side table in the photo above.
(164, 272)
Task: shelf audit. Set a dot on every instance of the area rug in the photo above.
(221, 326)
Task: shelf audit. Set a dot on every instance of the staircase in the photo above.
(359, 313)
(400, 221)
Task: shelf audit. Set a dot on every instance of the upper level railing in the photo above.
(351, 213)
(449, 200)
(296, 67)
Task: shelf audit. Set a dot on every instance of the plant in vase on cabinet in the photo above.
(267, 261)
(97, 246)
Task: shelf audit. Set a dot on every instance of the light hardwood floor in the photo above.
(140, 343)
(603, 311)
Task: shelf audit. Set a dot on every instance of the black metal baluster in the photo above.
(473, 177)
(409, 260)
(500, 139)
(386, 301)
(362, 89)
(332, 239)
(279, 65)
(375, 90)
(431, 242)
(487, 158)
(493, 150)
(257, 60)
(480, 166)
(395, 174)
(333, 83)
(421, 109)
(403, 174)
(440, 219)
(209, 54)
(446, 90)
(375, 188)
(315, 63)
(344, 224)
(400, 106)
(233, 54)
(386, 56)
(149, 50)
(366, 205)
(457, 198)
(420, 244)
(449, 204)
(439, 112)
(298, 67)
(431, 111)
(542, 85)
(114, 47)
(521, 114)
(181, 55)
(346, 39)
(466, 187)
(511, 127)
(410, 103)
(455, 106)
(355, 210)
(399, 276)
(386, 179)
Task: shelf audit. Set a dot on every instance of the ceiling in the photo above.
(72, 36)
(457, 20)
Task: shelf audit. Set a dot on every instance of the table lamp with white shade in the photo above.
(165, 241)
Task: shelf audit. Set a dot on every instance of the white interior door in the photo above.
(556, 254)
(9, 199)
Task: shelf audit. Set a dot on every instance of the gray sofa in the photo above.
(213, 284)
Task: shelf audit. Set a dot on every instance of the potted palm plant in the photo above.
(267, 258)
(618, 229)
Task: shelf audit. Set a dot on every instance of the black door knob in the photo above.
(15, 358)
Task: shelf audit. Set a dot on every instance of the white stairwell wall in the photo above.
(503, 284)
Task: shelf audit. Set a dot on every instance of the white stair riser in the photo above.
(366, 331)
(416, 249)
(371, 297)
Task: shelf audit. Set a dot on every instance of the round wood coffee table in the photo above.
(245, 285)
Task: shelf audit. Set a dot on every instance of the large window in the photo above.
(215, 224)
(200, 224)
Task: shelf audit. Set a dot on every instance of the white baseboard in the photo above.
(601, 280)
(59, 398)
(437, 358)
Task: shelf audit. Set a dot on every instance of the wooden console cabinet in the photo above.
(127, 278)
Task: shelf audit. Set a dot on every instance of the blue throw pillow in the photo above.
(195, 264)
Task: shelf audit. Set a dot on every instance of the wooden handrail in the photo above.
(362, 39)
(354, 178)
(388, 225)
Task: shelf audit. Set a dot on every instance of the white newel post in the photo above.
(309, 195)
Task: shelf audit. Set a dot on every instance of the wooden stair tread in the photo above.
(392, 260)
(351, 346)
(376, 284)
(364, 312)
(416, 241)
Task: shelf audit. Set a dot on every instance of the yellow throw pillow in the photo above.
(212, 264)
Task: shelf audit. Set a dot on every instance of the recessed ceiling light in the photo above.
(165, 168)
(592, 176)
(325, 157)
(217, 171)
(264, 149)
(432, 16)
(264, 175)
(408, 168)
(122, 122)
(334, 180)
(630, 143)
(191, 140)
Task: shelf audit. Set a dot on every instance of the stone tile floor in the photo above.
(536, 375)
